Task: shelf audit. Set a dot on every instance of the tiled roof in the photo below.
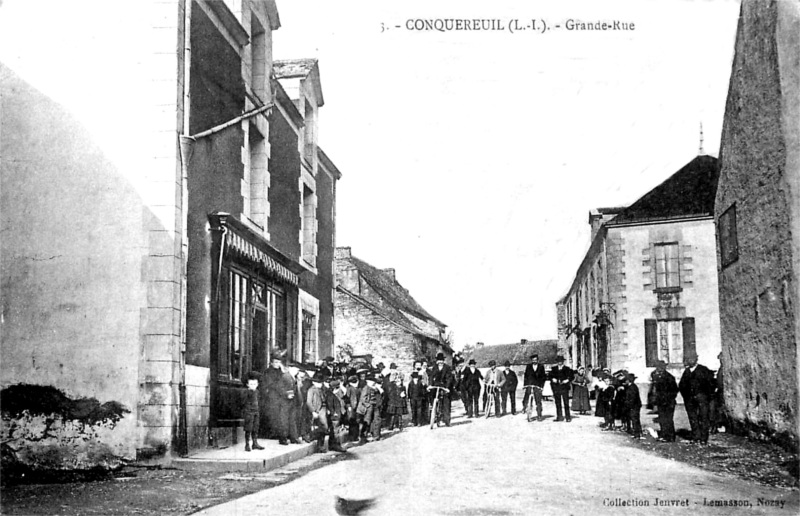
(518, 353)
(290, 68)
(688, 192)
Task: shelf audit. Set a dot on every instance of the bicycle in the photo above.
(436, 417)
(490, 399)
(531, 401)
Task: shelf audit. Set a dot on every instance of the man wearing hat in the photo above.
(665, 390)
(441, 375)
(697, 386)
(534, 379)
(471, 379)
(280, 390)
(328, 367)
(509, 388)
(560, 378)
(494, 381)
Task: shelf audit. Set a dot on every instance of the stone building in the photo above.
(163, 228)
(758, 215)
(376, 315)
(646, 289)
(517, 353)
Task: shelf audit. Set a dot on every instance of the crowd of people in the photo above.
(338, 401)
(357, 402)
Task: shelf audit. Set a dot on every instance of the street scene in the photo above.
(379, 257)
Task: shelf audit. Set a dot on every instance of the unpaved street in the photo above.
(509, 466)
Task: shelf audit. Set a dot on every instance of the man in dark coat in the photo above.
(697, 386)
(665, 390)
(534, 379)
(441, 375)
(560, 378)
(633, 404)
(471, 378)
(416, 395)
(279, 389)
(509, 388)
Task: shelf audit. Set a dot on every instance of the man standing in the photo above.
(560, 378)
(535, 376)
(279, 390)
(471, 379)
(442, 376)
(665, 390)
(494, 381)
(509, 388)
(697, 386)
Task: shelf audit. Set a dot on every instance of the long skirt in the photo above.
(580, 399)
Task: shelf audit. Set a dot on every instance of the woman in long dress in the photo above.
(580, 392)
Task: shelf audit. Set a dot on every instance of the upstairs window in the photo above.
(309, 347)
(667, 266)
(309, 226)
(309, 137)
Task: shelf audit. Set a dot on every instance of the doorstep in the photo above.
(234, 458)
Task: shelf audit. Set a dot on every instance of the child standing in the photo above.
(634, 405)
(251, 414)
(397, 403)
(366, 402)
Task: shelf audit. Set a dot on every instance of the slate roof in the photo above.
(688, 192)
(396, 300)
(392, 291)
(518, 353)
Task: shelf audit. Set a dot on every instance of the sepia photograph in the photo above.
(379, 257)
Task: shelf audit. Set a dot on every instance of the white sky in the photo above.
(471, 159)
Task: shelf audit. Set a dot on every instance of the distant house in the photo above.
(376, 315)
(518, 353)
(758, 214)
(646, 289)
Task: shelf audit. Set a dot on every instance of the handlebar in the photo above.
(445, 389)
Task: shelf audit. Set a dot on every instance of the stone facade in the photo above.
(647, 287)
(113, 270)
(757, 214)
(375, 315)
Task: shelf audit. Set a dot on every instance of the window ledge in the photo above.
(668, 290)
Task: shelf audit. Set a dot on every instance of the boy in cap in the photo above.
(317, 404)
(251, 413)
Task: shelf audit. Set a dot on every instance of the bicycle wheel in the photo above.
(434, 410)
(529, 408)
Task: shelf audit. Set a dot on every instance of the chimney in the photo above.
(390, 273)
(342, 253)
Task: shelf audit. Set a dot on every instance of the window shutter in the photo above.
(688, 336)
(650, 342)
